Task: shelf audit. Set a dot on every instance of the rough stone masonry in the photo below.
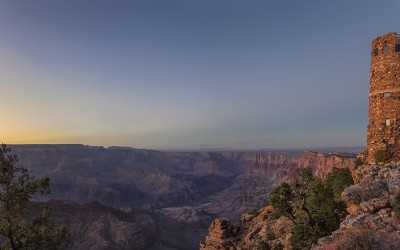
(383, 133)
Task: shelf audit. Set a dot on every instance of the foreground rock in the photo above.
(255, 230)
(371, 222)
(221, 235)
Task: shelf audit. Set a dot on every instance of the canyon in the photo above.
(167, 199)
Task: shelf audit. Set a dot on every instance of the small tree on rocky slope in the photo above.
(19, 227)
(312, 206)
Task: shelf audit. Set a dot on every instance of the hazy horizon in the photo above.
(338, 149)
(178, 74)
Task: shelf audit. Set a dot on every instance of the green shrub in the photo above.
(311, 204)
(338, 180)
(358, 162)
(253, 212)
(381, 156)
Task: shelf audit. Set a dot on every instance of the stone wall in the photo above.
(383, 132)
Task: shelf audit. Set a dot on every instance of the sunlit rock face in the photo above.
(371, 214)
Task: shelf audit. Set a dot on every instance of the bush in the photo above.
(253, 212)
(339, 179)
(381, 156)
(310, 203)
(358, 162)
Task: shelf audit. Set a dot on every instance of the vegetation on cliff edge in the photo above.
(312, 204)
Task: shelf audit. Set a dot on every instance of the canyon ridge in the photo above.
(125, 198)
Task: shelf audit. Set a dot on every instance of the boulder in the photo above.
(374, 205)
(365, 191)
(221, 235)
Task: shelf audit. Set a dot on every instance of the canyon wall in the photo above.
(181, 192)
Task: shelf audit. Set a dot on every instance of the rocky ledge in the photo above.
(253, 231)
(371, 220)
(370, 224)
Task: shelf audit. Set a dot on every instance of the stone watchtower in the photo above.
(383, 135)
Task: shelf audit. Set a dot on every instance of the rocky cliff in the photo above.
(370, 224)
(119, 177)
(371, 218)
(254, 230)
(267, 163)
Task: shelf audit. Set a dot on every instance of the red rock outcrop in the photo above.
(267, 163)
(222, 235)
(251, 232)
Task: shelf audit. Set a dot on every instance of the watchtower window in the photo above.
(386, 94)
(397, 48)
(387, 122)
(376, 51)
(385, 49)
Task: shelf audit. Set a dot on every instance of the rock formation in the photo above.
(222, 235)
(369, 204)
(370, 224)
(252, 231)
(149, 179)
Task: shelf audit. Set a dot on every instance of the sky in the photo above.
(186, 74)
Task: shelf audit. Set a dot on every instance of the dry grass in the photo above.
(352, 208)
(365, 239)
(361, 239)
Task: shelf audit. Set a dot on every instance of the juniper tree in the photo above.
(311, 205)
(20, 226)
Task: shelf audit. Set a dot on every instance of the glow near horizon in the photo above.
(220, 80)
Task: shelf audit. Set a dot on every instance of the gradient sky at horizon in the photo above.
(183, 74)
